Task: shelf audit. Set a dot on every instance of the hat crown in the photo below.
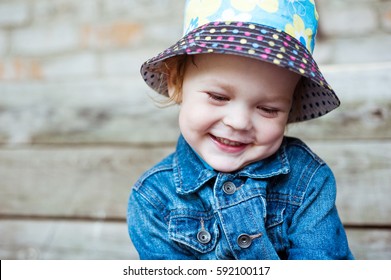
(298, 18)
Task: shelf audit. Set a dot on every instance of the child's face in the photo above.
(234, 109)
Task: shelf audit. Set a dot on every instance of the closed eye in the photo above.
(217, 97)
(269, 112)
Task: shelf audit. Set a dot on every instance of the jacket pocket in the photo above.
(194, 229)
(275, 214)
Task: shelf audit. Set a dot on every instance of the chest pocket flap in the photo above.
(197, 230)
(275, 215)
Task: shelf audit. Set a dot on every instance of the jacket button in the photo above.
(229, 188)
(203, 236)
(244, 241)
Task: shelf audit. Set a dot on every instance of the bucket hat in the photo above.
(281, 32)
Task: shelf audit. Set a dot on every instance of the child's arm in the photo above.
(317, 231)
(148, 231)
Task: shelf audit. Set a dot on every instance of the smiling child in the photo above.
(236, 187)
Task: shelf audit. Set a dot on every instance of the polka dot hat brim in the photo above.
(316, 98)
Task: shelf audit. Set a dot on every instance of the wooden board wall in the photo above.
(78, 125)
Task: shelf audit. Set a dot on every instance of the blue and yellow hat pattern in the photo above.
(298, 18)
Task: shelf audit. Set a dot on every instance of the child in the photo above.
(236, 187)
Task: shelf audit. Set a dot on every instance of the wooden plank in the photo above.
(363, 173)
(367, 244)
(91, 182)
(364, 91)
(64, 240)
(352, 121)
(122, 110)
(98, 111)
(96, 181)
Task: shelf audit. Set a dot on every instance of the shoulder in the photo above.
(308, 170)
(299, 152)
(156, 185)
(305, 164)
(163, 168)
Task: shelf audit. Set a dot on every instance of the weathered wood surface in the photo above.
(53, 239)
(370, 244)
(122, 110)
(48, 239)
(47, 193)
(365, 111)
(71, 182)
(95, 182)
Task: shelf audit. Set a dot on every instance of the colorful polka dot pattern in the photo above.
(255, 41)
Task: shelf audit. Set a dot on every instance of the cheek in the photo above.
(195, 110)
(189, 117)
(197, 121)
(270, 131)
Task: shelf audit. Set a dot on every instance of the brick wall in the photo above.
(70, 39)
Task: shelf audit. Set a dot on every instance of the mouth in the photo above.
(229, 145)
(228, 142)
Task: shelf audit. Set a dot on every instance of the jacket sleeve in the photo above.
(148, 230)
(316, 231)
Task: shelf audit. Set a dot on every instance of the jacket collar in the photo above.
(190, 174)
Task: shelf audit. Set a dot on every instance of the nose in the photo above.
(238, 118)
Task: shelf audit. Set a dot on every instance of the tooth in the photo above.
(228, 142)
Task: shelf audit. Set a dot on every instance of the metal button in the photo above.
(229, 188)
(244, 241)
(203, 236)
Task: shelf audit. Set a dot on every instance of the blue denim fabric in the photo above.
(282, 207)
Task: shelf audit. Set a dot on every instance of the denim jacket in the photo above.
(282, 207)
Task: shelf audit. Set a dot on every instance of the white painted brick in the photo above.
(14, 13)
(126, 63)
(323, 52)
(88, 9)
(385, 10)
(164, 34)
(73, 10)
(77, 66)
(371, 49)
(145, 10)
(112, 35)
(3, 42)
(123, 63)
(40, 40)
(17, 69)
(346, 19)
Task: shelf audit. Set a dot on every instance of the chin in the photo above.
(226, 168)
